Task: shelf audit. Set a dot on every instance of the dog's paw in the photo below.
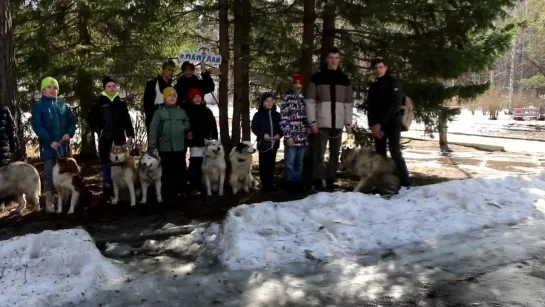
(115, 201)
(59, 211)
(70, 211)
(143, 201)
(159, 200)
(133, 204)
(209, 193)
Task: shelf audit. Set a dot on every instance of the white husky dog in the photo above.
(149, 172)
(21, 180)
(241, 167)
(124, 174)
(213, 167)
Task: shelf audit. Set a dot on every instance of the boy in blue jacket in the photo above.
(266, 126)
(54, 124)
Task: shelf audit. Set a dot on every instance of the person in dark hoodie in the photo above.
(189, 80)
(266, 127)
(153, 94)
(384, 115)
(203, 127)
(109, 118)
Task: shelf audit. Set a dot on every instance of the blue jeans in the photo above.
(293, 160)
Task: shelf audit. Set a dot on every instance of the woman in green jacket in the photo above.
(168, 130)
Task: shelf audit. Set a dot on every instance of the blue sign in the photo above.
(200, 57)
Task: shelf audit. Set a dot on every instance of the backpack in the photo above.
(407, 111)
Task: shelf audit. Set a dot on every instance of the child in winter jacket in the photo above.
(266, 126)
(294, 126)
(55, 125)
(168, 130)
(109, 118)
(203, 127)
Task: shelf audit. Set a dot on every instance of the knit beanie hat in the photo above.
(168, 92)
(107, 80)
(297, 77)
(49, 81)
(264, 97)
(194, 92)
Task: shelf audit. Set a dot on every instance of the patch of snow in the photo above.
(54, 268)
(333, 225)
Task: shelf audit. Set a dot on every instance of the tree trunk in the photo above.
(307, 45)
(442, 127)
(307, 50)
(83, 90)
(223, 103)
(241, 104)
(328, 28)
(8, 81)
(512, 75)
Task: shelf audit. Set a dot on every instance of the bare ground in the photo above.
(425, 163)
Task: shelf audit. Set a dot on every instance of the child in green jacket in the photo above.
(168, 130)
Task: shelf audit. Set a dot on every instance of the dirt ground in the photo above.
(425, 163)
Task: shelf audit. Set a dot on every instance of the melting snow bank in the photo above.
(344, 224)
(54, 268)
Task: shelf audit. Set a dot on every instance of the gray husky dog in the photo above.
(149, 172)
(373, 169)
(22, 181)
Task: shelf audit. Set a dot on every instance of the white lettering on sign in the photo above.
(197, 57)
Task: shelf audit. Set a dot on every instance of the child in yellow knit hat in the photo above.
(54, 124)
(168, 130)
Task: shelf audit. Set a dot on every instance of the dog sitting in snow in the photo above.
(124, 174)
(149, 172)
(69, 185)
(241, 166)
(213, 167)
(373, 169)
(22, 181)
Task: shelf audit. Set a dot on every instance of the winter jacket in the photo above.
(7, 135)
(203, 124)
(51, 120)
(266, 121)
(330, 100)
(168, 129)
(153, 97)
(384, 101)
(184, 84)
(109, 118)
(294, 118)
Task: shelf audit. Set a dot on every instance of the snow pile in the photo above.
(53, 268)
(344, 224)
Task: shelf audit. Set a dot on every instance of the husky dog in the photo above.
(69, 184)
(124, 174)
(373, 169)
(22, 181)
(241, 166)
(149, 172)
(213, 167)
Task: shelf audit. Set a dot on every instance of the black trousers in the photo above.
(195, 173)
(392, 138)
(267, 163)
(174, 173)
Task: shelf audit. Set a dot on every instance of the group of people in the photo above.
(177, 118)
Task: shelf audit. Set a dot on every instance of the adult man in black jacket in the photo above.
(153, 94)
(189, 80)
(384, 114)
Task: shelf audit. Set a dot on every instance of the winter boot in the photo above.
(317, 185)
(49, 202)
(330, 185)
(107, 193)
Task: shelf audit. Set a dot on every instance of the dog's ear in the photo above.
(113, 145)
(155, 153)
(207, 142)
